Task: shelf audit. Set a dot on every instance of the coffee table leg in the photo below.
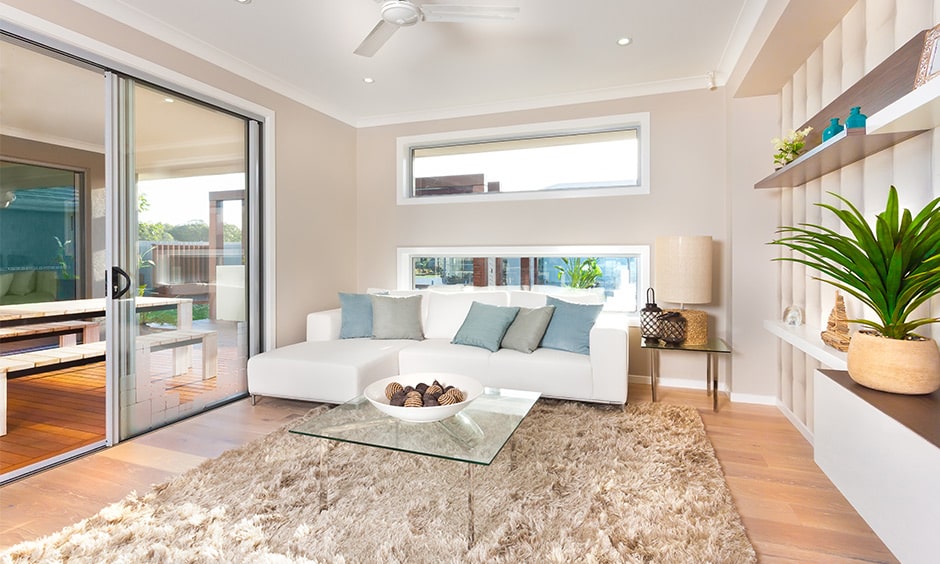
(470, 533)
(324, 476)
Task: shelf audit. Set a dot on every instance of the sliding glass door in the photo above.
(181, 209)
(124, 270)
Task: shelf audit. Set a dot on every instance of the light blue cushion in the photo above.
(485, 326)
(356, 316)
(570, 327)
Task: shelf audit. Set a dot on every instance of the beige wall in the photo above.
(689, 195)
(868, 34)
(315, 173)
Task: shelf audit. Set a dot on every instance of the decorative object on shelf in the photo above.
(836, 334)
(672, 328)
(831, 131)
(892, 270)
(793, 316)
(649, 317)
(856, 119)
(790, 146)
(684, 276)
(929, 66)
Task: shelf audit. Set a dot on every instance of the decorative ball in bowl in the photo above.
(469, 389)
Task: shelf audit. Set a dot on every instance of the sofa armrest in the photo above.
(324, 325)
(609, 361)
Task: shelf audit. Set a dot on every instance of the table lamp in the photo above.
(684, 276)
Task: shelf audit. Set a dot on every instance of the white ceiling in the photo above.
(554, 52)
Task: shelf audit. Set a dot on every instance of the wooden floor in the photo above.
(792, 512)
(59, 411)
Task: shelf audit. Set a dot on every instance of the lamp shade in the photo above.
(684, 269)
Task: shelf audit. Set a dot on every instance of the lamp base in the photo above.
(696, 328)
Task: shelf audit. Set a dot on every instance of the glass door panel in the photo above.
(187, 225)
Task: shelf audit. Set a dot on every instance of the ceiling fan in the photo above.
(403, 13)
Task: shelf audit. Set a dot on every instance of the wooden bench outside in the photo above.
(67, 331)
(180, 340)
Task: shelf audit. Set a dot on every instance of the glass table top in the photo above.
(714, 345)
(476, 434)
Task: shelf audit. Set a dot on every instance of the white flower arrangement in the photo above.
(790, 146)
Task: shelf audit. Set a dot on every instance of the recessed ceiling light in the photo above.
(243, 1)
(168, 100)
(368, 80)
(624, 41)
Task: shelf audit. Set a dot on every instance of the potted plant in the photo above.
(579, 272)
(893, 269)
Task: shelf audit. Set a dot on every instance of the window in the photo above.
(621, 273)
(596, 157)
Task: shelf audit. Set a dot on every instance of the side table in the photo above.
(712, 348)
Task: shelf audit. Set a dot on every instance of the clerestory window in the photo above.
(596, 157)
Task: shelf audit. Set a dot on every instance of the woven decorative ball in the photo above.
(413, 399)
(447, 399)
(458, 395)
(435, 390)
(392, 388)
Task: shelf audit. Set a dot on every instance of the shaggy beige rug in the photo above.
(588, 484)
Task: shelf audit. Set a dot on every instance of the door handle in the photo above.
(116, 290)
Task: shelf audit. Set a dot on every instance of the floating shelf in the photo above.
(807, 339)
(840, 151)
(918, 110)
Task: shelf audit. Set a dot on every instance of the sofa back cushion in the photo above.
(5, 280)
(24, 282)
(448, 310)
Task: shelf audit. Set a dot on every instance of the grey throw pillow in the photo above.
(485, 326)
(396, 318)
(527, 330)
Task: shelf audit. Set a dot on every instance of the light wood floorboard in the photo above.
(792, 512)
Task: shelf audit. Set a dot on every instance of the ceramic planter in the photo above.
(894, 365)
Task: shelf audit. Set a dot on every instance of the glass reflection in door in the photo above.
(191, 337)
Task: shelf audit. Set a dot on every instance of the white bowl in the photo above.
(375, 393)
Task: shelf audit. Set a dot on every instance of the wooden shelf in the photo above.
(881, 94)
(807, 339)
(842, 150)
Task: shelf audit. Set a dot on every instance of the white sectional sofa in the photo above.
(329, 369)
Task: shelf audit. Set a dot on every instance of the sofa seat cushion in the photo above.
(328, 371)
(555, 373)
(440, 355)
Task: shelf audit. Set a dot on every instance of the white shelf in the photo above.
(807, 339)
(918, 110)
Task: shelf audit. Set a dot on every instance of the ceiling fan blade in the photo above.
(465, 12)
(376, 38)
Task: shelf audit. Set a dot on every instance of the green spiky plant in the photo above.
(893, 269)
(579, 272)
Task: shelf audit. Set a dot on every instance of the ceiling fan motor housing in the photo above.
(401, 12)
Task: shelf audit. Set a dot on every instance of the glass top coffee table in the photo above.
(475, 435)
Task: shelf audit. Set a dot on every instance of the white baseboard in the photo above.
(795, 421)
(698, 384)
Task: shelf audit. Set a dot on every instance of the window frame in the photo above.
(407, 254)
(640, 121)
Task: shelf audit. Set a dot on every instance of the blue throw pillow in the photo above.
(570, 327)
(356, 316)
(485, 326)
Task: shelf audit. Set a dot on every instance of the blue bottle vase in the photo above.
(856, 118)
(832, 130)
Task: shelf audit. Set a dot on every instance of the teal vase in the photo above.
(856, 118)
(832, 130)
